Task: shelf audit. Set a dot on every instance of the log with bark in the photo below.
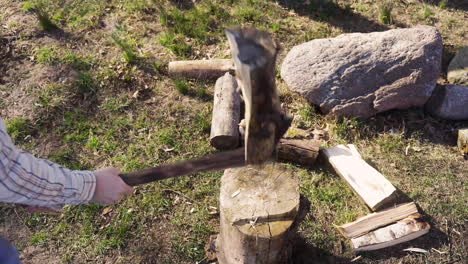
(375, 220)
(201, 69)
(300, 151)
(402, 231)
(226, 114)
(258, 205)
(369, 184)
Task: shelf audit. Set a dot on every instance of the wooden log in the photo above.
(402, 231)
(375, 220)
(258, 206)
(462, 142)
(201, 69)
(369, 184)
(226, 114)
(300, 151)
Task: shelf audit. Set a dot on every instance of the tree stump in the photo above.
(258, 206)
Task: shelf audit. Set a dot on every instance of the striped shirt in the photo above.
(25, 179)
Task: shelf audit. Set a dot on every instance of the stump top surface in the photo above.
(264, 194)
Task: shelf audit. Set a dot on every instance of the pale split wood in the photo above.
(354, 150)
(369, 184)
(258, 205)
(226, 114)
(200, 69)
(375, 220)
(402, 231)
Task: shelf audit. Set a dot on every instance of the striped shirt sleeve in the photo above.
(25, 179)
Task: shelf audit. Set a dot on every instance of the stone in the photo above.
(362, 74)
(449, 102)
(457, 72)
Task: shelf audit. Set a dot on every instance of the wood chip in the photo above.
(418, 250)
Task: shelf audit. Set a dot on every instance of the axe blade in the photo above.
(254, 54)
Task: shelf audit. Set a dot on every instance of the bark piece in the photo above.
(257, 208)
(201, 69)
(373, 188)
(300, 151)
(375, 220)
(402, 231)
(226, 114)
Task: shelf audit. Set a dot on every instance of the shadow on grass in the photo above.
(414, 122)
(332, 13)
(304, 252)
(183, 4)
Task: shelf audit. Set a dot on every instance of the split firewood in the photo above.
(201, 69)
(369, 184)
(402, 231)
(375, 220)
(300, 151)
(226, 114)
(463, 141)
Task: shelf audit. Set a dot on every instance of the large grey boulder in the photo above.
(449, 102)
(458, 68)
(362, 74)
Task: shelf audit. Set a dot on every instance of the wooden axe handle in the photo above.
(214, 162)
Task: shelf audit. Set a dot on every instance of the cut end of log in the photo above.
(258, 206)
(300, 151)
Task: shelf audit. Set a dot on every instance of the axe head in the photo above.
(254, 54)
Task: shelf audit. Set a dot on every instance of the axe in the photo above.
(254, 54)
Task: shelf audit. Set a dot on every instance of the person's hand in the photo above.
(109, 186)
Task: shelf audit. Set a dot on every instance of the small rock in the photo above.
(449, 102)
(458, 68)
(362, 74)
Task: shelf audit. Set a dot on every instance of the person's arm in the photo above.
(25, 179)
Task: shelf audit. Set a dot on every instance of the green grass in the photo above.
(19, 128)
(427, 12)
(385, 13)
(38, 7)
(175, 44)
(443, 4)
(88, 118)
(46, 55)
(126, 44)
(182, 86)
